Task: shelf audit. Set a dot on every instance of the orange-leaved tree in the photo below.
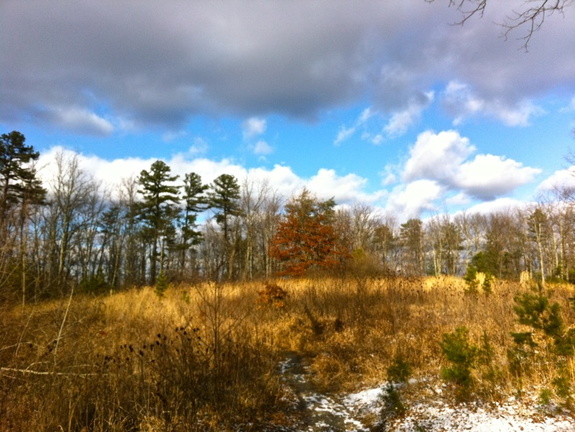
(306, 237)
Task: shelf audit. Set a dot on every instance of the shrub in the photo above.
(398, 372)
(162, 285)
(463, 356)
(272, 295)
(471, 282)
(547, 344)
(536, 311)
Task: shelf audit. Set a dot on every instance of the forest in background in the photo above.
(94, 339)
(159, 228)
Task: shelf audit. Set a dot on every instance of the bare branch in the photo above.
(35, 372)
(468, 8)
(531, 16)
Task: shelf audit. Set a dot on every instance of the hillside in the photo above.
(299, 354)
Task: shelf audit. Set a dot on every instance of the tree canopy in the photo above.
(159, 224)
(18, 180)
(306, 237)
(157, 210)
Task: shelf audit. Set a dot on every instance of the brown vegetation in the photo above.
(206, 357)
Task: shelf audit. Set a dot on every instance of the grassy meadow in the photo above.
(205, 357)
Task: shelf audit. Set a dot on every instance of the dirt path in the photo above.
(321, 412)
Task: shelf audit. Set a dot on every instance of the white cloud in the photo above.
(346, 189)
(410, 200)
(262, 148)
(460, 100)
(389, 179)
(488, 176)
(376, 139)
(281, 178)
(343, 134)
(500, 205)
(254, 126)
(443, 157)
(347, 132)
(561, 179)
(437, 156)
(570, 107)
(460, 199)
(400, 121)
(173, 135)
(77, 119)
(200, 146)
(110, 173)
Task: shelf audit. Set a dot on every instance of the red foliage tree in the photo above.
(306, 236)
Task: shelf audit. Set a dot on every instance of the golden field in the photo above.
(205, 357)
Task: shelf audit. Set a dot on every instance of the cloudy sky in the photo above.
(386, 103)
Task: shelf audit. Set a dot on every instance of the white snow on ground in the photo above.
(328, 405)
(508, 417)
(357, 412)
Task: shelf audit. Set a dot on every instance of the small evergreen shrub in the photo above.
(474, 280)
(548, 343)
(463, 356)
(545, 396)
(162, 285)
(398, 372)
(487, 284)
(471, 282)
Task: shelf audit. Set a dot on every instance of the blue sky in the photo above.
(371, 102)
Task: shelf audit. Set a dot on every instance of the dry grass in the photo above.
(205, 357)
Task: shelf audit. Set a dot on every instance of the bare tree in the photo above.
(73, 202)
(260, 206)
(386, 244)
(445, 239)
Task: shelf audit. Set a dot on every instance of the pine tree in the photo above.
(18, 182)
(20, 191)
(224, 197)
(195, 201)
(158, 209)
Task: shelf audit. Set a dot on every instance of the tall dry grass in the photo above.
(205, 357)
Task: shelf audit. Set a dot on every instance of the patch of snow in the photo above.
(366, 397)
(337, 413)
(444, 418)
(508, 417)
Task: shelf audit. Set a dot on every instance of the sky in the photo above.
(390, 104)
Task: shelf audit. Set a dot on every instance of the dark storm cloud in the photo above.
(91, 66)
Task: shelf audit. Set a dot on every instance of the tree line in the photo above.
(73, 234)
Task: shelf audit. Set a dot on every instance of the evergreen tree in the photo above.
(224, 197)
(20, 191)
(195, 201)
(18, 182)
(158, 210)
